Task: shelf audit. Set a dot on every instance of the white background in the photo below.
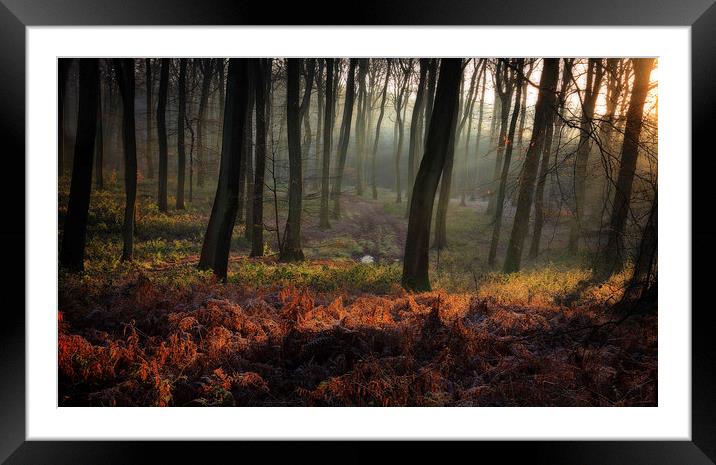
(670, 420)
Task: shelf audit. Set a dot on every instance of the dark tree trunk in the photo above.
(556, 127)
(479, 130)
(192, 81)
(641, 294)
(125, 73)
(99, 142)
(613, 257)
(545, 109)
(262, 80)
(504, 91)
(64, 66)
(72, 253)
(217, 240)
(327, 142)
(304, 111)
(374, 155)
(401, 98)
(343, 138)
(181, 122)
(418, 109)
(320, 87)
(148, 140)
(249, 177)
(499, 207)
(430, 94)
(441, 134)
(162, 133)
(207, 68)
(523, 104)
(291, 250)
(440, 240)
(539, 192)
(594, 79)
(361, 123)
(467, 118)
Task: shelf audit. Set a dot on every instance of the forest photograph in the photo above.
(357, 231)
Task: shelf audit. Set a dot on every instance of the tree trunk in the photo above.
(162, 134)
(418, 109)
(291, 250)
(148, 140)
(304, 111)
(479, 131)
(430, 95)
(262, 80)
(556, 127)
(613, 257)
(343, 138)
(440, 138)
(125, 73)
(181, 122)
(327, 142)
(377, 130)
(545, 109)
(72, 253)
(504, 92)
(217, 240)
(99, 141)
(319, 125)
(207, 68)
(249, 157)
(64, 67)
(497, 223)
(594, 78)
(361, 123)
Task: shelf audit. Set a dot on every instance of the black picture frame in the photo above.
(700, 15)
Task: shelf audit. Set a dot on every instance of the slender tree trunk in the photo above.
(162, 134)
(249, 156)
(539, 192)
(400, 103)
(544, 112)
(292, 244)
(343, 138)
(327, 142)
(361, 122)
(504, 90)
(192, 82)
(418, 109)
(125, 72)
(304, 113)
(613, 257)
(73, 240)
(319, 125)
(440, 138)
(430, 94)
(556, 127)
(594, 78)
(440, 240)
(148, 140)
(217, 240)
(99, 141)
(63, 68)
(207, 69)
(181, 122)
(262, 80)
(479, 131)
(377, 130)
(497, 223)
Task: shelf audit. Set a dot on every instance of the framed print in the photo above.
(406, 224)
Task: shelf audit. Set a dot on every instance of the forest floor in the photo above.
(333, 330)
